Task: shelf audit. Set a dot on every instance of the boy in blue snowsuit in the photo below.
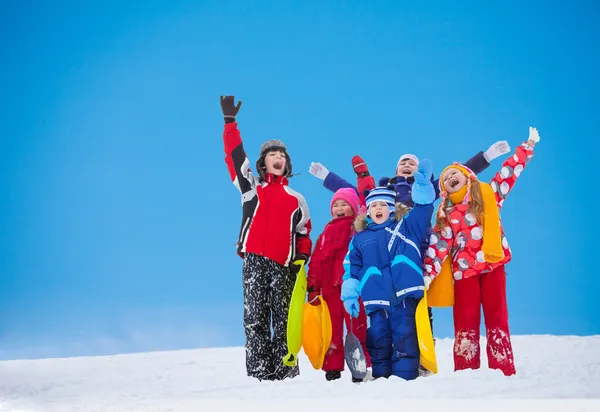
(383, 267)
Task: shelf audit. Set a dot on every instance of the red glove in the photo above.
(360, 167)
(313, 296)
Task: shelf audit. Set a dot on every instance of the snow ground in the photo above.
(553, 373)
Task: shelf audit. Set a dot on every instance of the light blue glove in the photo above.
(423, 192)
(351, 306)
(350, 296)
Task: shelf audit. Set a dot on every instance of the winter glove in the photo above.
(496, 150)
(350, 296)
(313, 295)
(427, 280)
(423, 192)
(360, 167)
(351, 307)
(318, 170)
(534, 136)
(295, 267)
(230, 110)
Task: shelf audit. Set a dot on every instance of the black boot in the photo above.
(333, 375)
(356, 380)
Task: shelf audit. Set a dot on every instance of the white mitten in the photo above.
(533, 134)
(318, 170)
(497, 149)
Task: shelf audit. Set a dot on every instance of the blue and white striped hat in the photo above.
(382, 194)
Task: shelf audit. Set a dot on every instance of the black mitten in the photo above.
(230, 110)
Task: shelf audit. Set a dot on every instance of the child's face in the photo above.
(379, 212)
(275, 162)
(454, 180)
(341, 208)
(407, 168)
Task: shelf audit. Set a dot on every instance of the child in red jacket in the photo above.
(325, 278)
(468, 243)
(274, 233)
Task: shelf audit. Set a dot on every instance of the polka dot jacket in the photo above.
(462, 236)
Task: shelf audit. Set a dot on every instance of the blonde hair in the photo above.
(474, 199)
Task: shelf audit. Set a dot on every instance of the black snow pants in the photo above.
(268, 290)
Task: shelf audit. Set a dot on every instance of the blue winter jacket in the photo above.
(386, 259)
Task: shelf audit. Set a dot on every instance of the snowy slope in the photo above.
(548, 367)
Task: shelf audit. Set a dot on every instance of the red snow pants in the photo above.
(334, 358)
(470, 294)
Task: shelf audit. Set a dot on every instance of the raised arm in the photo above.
(505, 179)
(364, 180)
(423, 195)
(480, 161)
(237, 162)
(331, 181)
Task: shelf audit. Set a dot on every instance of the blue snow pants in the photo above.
(392, 341)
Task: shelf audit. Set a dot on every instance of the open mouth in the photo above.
(407, 171)
(278, 164)
(378, 215)
(453, 182)
(341, 214)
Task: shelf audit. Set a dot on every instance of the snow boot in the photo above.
(333, 375)
(368, 377)
(424, 372)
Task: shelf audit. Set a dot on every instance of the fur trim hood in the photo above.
(361, 223)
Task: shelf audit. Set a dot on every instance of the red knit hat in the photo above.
(349, 196)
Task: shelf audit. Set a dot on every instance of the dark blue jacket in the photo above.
(403, 188)
(402, 185)
(386, 259)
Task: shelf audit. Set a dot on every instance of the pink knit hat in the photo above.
(349, 196)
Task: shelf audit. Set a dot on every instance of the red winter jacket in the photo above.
(275, 219)
(327, 263)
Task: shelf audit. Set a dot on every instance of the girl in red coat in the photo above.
(468, 244)
(325, 278)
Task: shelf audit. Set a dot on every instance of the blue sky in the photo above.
(118, 217)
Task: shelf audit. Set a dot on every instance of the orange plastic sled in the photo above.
(441, 291)
(316, 332)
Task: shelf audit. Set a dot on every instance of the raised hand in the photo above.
(360, 167)
(496, 150)
(534, 136)
(423, 192)
(318, 170)
(230, 110)
(423, 175)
